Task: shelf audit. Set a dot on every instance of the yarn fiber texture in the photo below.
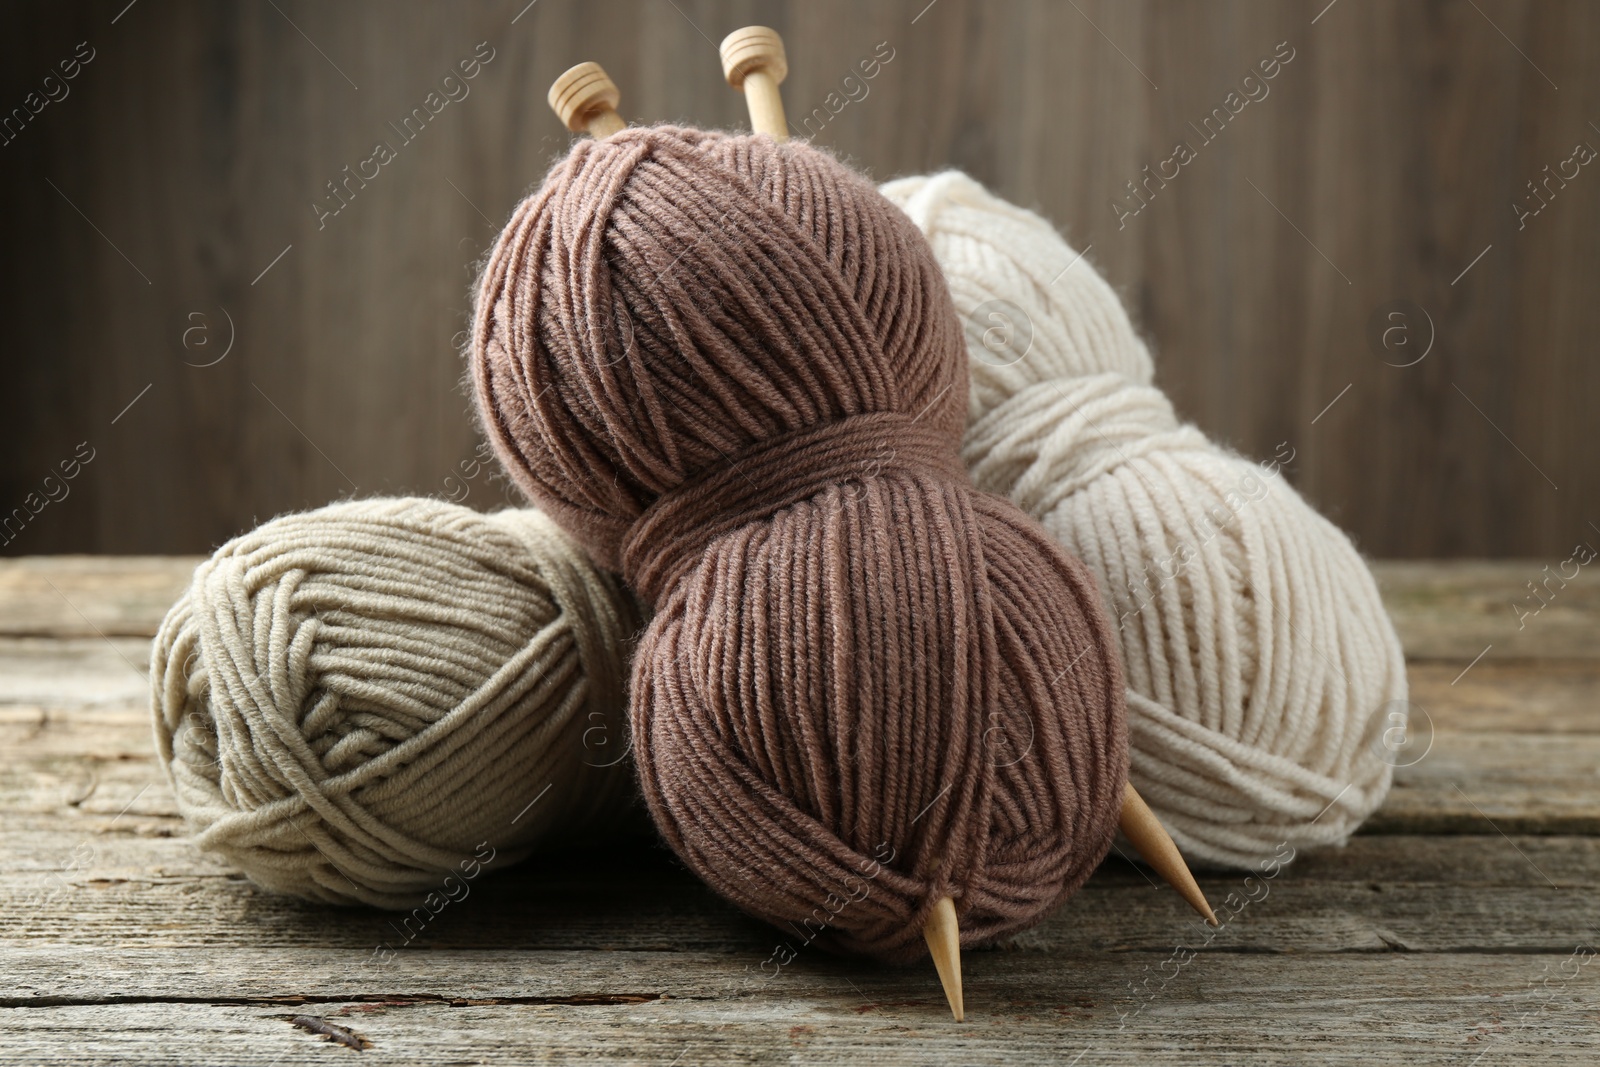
(349, 701)
(733, 371)
(1261, 665)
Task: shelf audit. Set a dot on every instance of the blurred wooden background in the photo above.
(146, 211)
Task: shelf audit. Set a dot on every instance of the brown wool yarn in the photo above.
(733, 371)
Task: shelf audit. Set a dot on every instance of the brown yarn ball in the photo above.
(733, 370)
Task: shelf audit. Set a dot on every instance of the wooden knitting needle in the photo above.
(1140, 826)
(943, 936)
(585, 98)
(753, 60)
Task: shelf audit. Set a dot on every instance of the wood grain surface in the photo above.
(163, 211)
(1459, 927)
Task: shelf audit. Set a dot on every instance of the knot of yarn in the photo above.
(732, 370)
(1260, 662)
(674, 532)
(350, 701)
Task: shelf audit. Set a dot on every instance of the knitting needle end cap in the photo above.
(943, 935)
(750, 49)
(585, 99)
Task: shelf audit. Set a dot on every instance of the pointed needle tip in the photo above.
(943, 935)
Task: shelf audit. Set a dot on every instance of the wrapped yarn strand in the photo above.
(348, 702)
(1262, 666)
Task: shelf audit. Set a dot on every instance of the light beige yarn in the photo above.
(1262, 667)
(350, 701)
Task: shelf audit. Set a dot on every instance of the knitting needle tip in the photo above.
(943, 935)
(1140, 826)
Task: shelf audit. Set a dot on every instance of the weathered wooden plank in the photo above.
(97, 695)
(1475, 893)
(90, 596)
(1519, 783)
(167, 914)
(604, 957)
(61, 975)
(1548, 696)
(1497, 696)
(119, 730)
(122, 848)
(102, 782)
(1455, 610)
(74, 671)
(1022, 1009)
(1444, 610)
(1537, 783)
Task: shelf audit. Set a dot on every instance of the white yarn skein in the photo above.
(349, 701)
(1262, 668)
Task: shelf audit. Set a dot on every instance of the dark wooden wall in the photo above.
(1388, 155)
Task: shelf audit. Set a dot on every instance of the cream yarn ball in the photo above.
(1262, 668)
(353, 702)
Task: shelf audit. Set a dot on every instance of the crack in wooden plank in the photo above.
(393, 1000)
(332, 1032)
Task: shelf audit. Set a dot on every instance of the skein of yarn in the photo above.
(350, 701)
(1261, 665)
(732, 370)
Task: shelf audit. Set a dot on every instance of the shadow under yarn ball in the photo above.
(349, 701)
(733, 371)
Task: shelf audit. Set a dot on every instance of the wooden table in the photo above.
(1460, 928)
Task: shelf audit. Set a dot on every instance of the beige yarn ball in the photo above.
(350, 702)
(1262, 668)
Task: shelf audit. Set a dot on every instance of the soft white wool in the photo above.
(1262, 668)
(349, 702)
